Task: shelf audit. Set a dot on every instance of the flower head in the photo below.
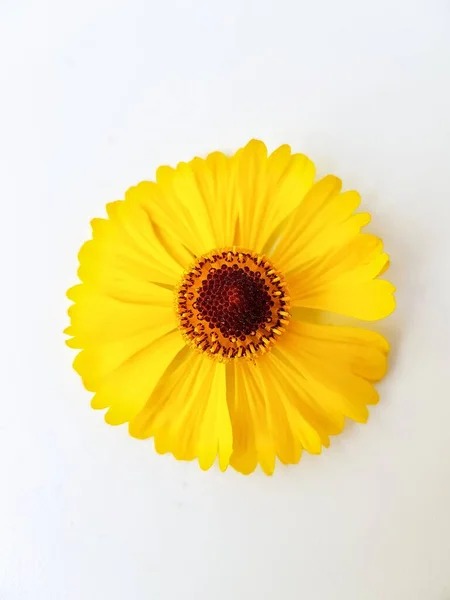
(190, 315)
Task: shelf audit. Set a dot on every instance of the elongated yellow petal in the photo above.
(345, 281)
(98, 319)
(323, 221)
(308, 420)
(268, 189)
(195, 202)
(328, 263)
(271, 417)
(252, 439)
(216, 181)
(281, 421)
(295, 425)
(188, 413)
(97, 361)
(126, 390)
(125, 252)
(335, 365)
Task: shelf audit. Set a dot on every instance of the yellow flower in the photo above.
(190, 315)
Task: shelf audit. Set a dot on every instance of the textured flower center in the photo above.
(232, 304)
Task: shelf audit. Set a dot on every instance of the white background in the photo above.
(94, 95)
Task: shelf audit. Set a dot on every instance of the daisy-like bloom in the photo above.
(190, 315)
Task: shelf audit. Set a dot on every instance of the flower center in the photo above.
(232, 303)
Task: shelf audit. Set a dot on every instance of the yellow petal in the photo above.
(244, 457)
(299, 426)
(252, 439)
(344, 281)
(97, 361)
(98, 319)
(127, 388)
(165, 210)
(216, 181)
(268, 189)
(125, 251)
(176, 205)
(283, 423)
(177, 251)
(308, 420)
(270, 418)
(188, 413)
(321, 223)
(334, 366)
